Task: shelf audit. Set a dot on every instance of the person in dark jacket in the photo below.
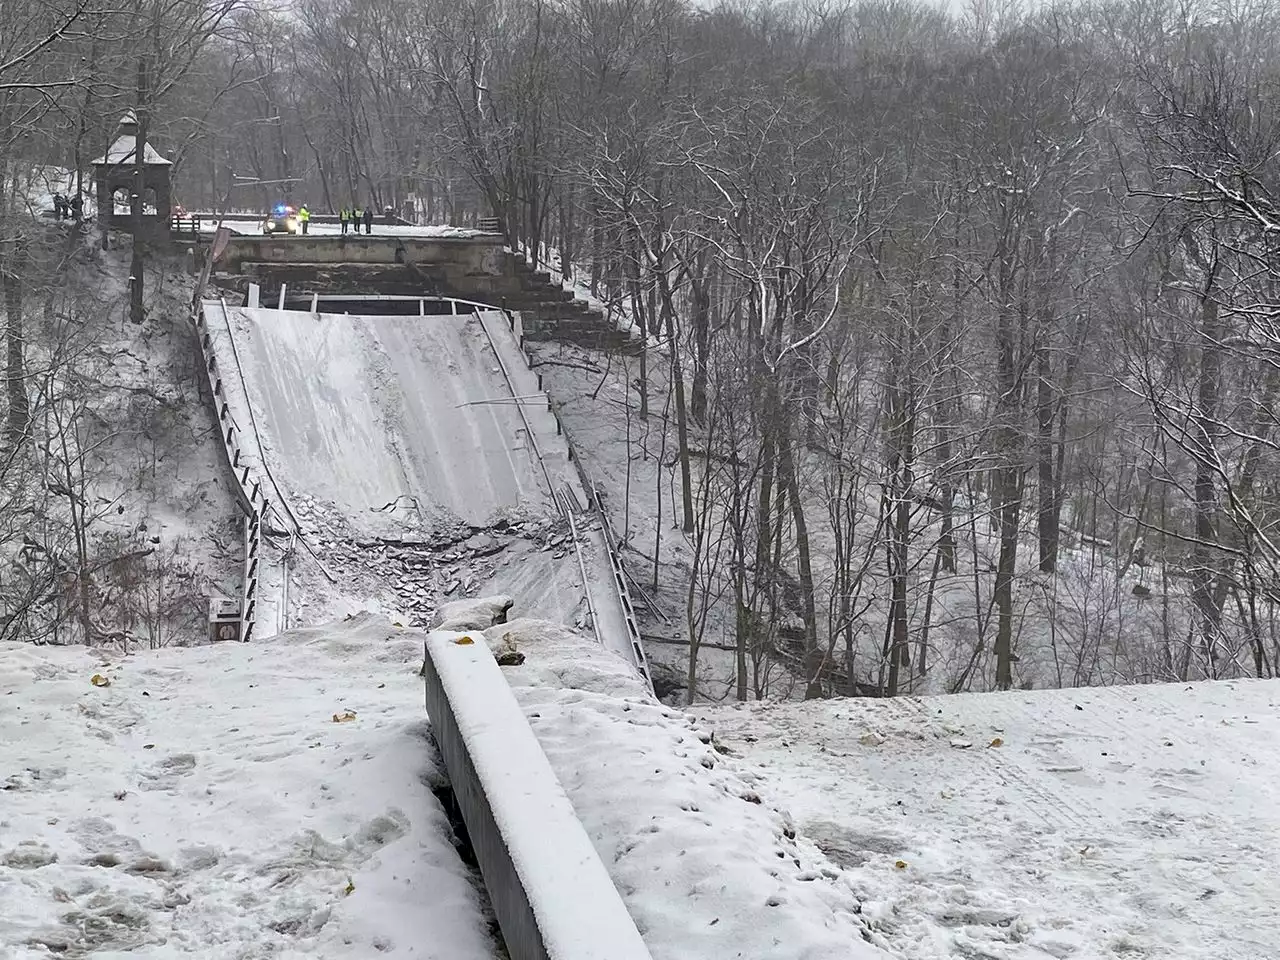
(368, 220)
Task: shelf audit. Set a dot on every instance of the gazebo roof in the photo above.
(125, 148)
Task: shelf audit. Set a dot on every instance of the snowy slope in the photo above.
(206, 804)
(1127, 822)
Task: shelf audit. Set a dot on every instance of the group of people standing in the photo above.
(354, 217)
(64, 209)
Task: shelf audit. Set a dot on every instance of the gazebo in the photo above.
(115, 171)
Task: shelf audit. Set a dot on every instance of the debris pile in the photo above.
(417, 571)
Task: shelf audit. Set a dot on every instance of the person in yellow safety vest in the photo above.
(343, 217)
(304, 217)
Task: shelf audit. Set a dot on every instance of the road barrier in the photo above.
(551, 894)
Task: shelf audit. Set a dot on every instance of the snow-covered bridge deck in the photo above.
(412, 421)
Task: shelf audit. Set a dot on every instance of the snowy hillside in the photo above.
(228, 801)
(1116, 823)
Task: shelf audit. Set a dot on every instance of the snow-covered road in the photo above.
(228, 802)
(1125, 822)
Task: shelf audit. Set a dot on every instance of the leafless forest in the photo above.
(965, 325)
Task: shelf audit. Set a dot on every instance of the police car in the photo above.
(283, 219)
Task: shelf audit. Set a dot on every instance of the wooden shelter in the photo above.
(114, 174)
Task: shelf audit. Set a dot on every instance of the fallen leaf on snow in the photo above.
(901, 864)
(344, 716)
(464, 641)
(98, 680)
(997, 742)
(350, 888)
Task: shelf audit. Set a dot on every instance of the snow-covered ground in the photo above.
(1126, 822)
(707, 870)
(228, 802)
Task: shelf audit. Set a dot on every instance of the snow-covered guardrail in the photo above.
(247, 490)
(552, 896)
(619, 580)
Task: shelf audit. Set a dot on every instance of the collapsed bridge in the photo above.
(414, 420)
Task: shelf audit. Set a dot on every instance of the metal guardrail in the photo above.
(186, 226)
(247, 490)
(624, 592)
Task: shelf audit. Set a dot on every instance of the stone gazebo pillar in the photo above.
(115, 171)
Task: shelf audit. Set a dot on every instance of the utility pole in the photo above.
(141, 115)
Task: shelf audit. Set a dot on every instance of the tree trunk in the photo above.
(1006, 491)
(764, 575)
(902, 427)
(812, 653)
(701, 342)
(644, 321)
(139, 193)
(1047, 516)
(1204, 572)
(682, 413)
(19, 414)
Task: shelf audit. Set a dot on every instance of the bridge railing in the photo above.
(186, 226)
(247, 489)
